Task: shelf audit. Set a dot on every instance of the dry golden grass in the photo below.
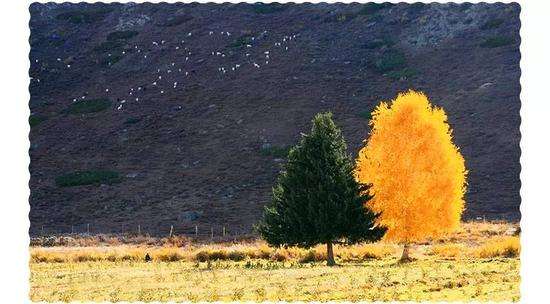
(501, 246)
(479, 262)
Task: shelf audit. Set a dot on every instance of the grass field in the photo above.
(480, 262)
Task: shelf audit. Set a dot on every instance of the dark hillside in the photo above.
(173, 114)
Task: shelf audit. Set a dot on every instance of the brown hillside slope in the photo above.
(204, 151)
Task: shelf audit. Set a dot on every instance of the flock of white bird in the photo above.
(171, 76)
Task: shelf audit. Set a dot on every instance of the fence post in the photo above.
(139, 229)
(88, 228)
(171, 230)
(196, 230)
(211, 232)
(42, 230)
(223, 231)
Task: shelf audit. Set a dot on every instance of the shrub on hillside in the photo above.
(497, 41)
(391, 60)
(79, 178)
(268, 8)
(121, 35)
(84, 16)
(89, 106)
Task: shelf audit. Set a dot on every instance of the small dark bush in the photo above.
(491, 24)
(498, 41)
(378, 42)
(89, 106)
(390, 61)
(236, 256)
(79, 178)
(176, 20)
(110, 60)
(268, 8)
(84, 16)
(372, 8)
(108, 46)
(35, 120)
(275, 151)
(241, 41)
(121, 35)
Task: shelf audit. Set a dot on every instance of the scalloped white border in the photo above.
(535, 113)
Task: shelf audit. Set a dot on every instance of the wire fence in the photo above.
(203, 231)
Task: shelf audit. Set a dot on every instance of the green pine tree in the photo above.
(316, 199)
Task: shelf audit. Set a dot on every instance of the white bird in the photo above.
(160, 76)
(83, 97)
(256, 65)
(36, 60)
(237, 65)
(155, 83)
(247, 54)
(169, 71)
(161, 92)
(74, 99)
(266, 52)
(68, 65)
(186, 58)
(123, 101)
(173, 63)
(123, 52)
(266, 62)
(145, 56)
(58, 59)
(210, 33)
(106, 90)
(186, 73)
(189, 34)
(162, 42)
(248, 46)
(155, 43)
(137, 99)
(119, 107)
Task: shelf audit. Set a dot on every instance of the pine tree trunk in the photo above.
(330, 255)
(405, 256)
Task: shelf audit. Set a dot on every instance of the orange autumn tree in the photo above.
(417, 174)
